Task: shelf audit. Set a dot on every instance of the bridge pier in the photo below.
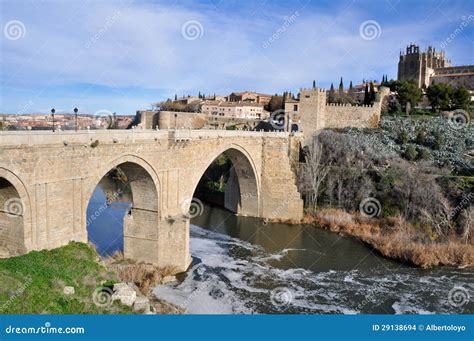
(162, 242)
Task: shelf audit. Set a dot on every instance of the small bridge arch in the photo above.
(15, 215)
(137, 177)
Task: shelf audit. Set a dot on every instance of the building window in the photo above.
(295, 107)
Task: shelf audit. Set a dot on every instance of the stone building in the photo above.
(430, 66)
(250, 96)
(311, 112)
(244, 110)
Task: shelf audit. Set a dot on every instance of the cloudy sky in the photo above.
(123, 55)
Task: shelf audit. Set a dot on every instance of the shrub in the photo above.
(410, 153)
(421, 137)
(403, 137)
(424, 154)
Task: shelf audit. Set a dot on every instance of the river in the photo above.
(241, 265)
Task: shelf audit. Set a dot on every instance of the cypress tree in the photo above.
(350, 93)
(366, 95)
(175, 97)
(314, 84)
(372, 93)
(341, 92)
(331, 97)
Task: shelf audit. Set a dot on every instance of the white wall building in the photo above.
(234, 110)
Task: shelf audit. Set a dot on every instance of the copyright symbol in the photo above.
(421, 327)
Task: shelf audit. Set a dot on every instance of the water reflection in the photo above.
(107, 207)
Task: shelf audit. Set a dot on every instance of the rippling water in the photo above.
(243, 266)
(303, 269)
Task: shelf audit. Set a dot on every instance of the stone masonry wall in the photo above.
(55, 175)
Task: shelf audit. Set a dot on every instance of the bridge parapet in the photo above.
(32, 138)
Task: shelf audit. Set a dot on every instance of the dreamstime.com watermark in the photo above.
(192, 30)
(466, 200)
(287, 22)
(370, 207)
(46, 329)
(102, 208)
(370, 30)
(466, 21)
(109, 22)
(458, 296)
(18, 292)
(14, 30)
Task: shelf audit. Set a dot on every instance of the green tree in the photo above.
(394, 85)
(408, 92)
(276, 103)
(332, 94)
(350, 93)
(314, 84)
(366, 95)
(341, 92)
(372, 93)
(461, 98)
(440, 96)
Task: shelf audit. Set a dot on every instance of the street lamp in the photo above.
(75, 117)
(52, 114)
(175, 116)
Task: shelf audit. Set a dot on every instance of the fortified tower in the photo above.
(420, 66)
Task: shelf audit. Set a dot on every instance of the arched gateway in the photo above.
(59, 172)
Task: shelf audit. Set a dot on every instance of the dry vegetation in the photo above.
(424, 202)
(397, 239)
(145, 277)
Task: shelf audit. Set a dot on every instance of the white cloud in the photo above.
(127, 44)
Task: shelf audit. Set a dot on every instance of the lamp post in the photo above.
(75, 118)
(175, 116)
(52, 115)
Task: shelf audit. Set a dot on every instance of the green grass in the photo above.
(33, 283)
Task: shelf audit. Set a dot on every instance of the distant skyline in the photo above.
(120, 56)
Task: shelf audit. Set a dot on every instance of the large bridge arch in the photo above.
(16, 231)
(141, 223)
(243, 190)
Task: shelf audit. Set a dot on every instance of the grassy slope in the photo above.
(33, 283)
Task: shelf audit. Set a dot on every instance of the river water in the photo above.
(241, 265)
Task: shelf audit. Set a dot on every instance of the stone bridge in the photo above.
(47, 179)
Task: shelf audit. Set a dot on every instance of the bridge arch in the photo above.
(141, 181)
(243, 187)
(15, 215)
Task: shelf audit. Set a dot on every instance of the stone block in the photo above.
(126, 296)
(69, 291)
(142, 304)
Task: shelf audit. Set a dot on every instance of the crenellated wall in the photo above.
(346, 115)
(311, 112)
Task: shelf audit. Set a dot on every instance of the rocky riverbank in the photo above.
(74, 280)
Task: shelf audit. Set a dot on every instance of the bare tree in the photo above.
(466, 221)
(314, 173)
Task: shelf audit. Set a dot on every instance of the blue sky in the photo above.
(123, 55)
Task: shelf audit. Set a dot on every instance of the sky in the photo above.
(121, 56)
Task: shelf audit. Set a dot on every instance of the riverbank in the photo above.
(66, 280)
(396, 239)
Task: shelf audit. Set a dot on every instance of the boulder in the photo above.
(121, 286)
(68, 290)
(126, 296)
(142, 304)
(168, 279)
